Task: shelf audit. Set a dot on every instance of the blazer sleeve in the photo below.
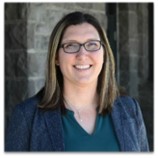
(17, 134)
(142, 135)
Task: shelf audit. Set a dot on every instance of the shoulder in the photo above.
(30, 104)
(127, 101)
(25, 110)
(128, 106)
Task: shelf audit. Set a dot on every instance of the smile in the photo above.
(82, 67)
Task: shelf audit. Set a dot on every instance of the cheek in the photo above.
(61, 61)
(99, 58)
(65, 61)
(61, 58)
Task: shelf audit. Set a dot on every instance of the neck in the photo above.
(84, 97)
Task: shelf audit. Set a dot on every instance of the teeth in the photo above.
(82, 66)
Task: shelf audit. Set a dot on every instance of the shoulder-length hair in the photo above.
(106, 88)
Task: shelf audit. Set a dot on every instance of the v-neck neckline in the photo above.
(77, 125)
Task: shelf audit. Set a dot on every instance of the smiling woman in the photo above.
(79, 108)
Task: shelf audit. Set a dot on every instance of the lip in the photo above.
(82, 67)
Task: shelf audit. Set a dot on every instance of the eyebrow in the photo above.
(75, 41)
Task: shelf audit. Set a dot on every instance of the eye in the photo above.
(93, 45)
(70, 45)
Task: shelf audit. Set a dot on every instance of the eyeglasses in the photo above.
(74, 47)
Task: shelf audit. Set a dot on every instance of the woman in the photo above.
(79, 108)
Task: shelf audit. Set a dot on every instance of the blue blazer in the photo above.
(32, 129)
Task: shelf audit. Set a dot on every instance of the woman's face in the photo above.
(84, 66)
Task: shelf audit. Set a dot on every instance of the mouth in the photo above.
(82, 67)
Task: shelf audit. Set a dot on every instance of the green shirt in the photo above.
(77, 139)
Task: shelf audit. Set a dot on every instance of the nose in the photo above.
(82, 54)
(82, 50)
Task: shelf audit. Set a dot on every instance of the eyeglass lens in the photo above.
(73, 47)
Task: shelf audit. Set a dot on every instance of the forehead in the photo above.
(84, 30)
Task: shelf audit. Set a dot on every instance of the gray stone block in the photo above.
(16, 64)
(133, 25)
(123, 6)
(16, 35)
(54, 17)
(134, 47)
(14, 11)
(30, 35)
(133, 6)
(124, 79)
(36, 64)
(41, 42)
(37, 12)
(124, 63)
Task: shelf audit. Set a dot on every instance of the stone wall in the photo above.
(133, 46)
(134, 57)
(16, 67)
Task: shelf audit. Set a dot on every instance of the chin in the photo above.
(85, 82)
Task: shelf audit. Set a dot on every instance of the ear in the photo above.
(57, 60)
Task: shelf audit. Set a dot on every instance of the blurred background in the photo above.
(129, 27)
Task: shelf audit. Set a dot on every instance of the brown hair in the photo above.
(107, 89)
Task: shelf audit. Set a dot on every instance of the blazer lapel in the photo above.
(124, 125)
(118, 125)
(54, 126)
